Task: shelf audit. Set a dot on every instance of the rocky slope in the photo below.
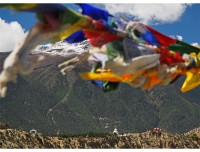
(12, 138)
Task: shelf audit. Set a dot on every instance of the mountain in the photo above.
(51, 103)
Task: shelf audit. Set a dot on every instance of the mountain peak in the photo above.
(62, 48)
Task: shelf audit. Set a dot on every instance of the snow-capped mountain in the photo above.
(53, 53)
(62, 48)
(53, 103)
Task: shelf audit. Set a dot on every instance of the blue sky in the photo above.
(173, 19)
(188, 26)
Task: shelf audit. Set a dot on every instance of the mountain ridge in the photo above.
(51, 103)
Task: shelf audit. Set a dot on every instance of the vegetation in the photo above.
(195, 137)
(66, 105)
(89, 134)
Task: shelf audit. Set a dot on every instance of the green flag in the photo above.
(183, 47)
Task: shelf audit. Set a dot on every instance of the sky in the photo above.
(180, 21)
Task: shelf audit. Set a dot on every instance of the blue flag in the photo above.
(93, 12)
(76, 37)
(150, 38)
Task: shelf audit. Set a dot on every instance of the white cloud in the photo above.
(172, 36)
(11, 34)
(150, 13)
(195, 44)
(180, 38)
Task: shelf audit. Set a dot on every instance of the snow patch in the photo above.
(62, 48)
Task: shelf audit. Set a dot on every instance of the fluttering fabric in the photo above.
(121, 51)
(94, 12)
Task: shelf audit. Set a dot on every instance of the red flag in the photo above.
(99, 38)
(169, 57)
(162, 39)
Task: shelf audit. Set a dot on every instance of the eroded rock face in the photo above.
(12, 138)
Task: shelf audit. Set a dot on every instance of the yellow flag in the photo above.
(151, 82)
(111, 77)
(191, 82)
(83, 23)
(107, 76)
(192, 76)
